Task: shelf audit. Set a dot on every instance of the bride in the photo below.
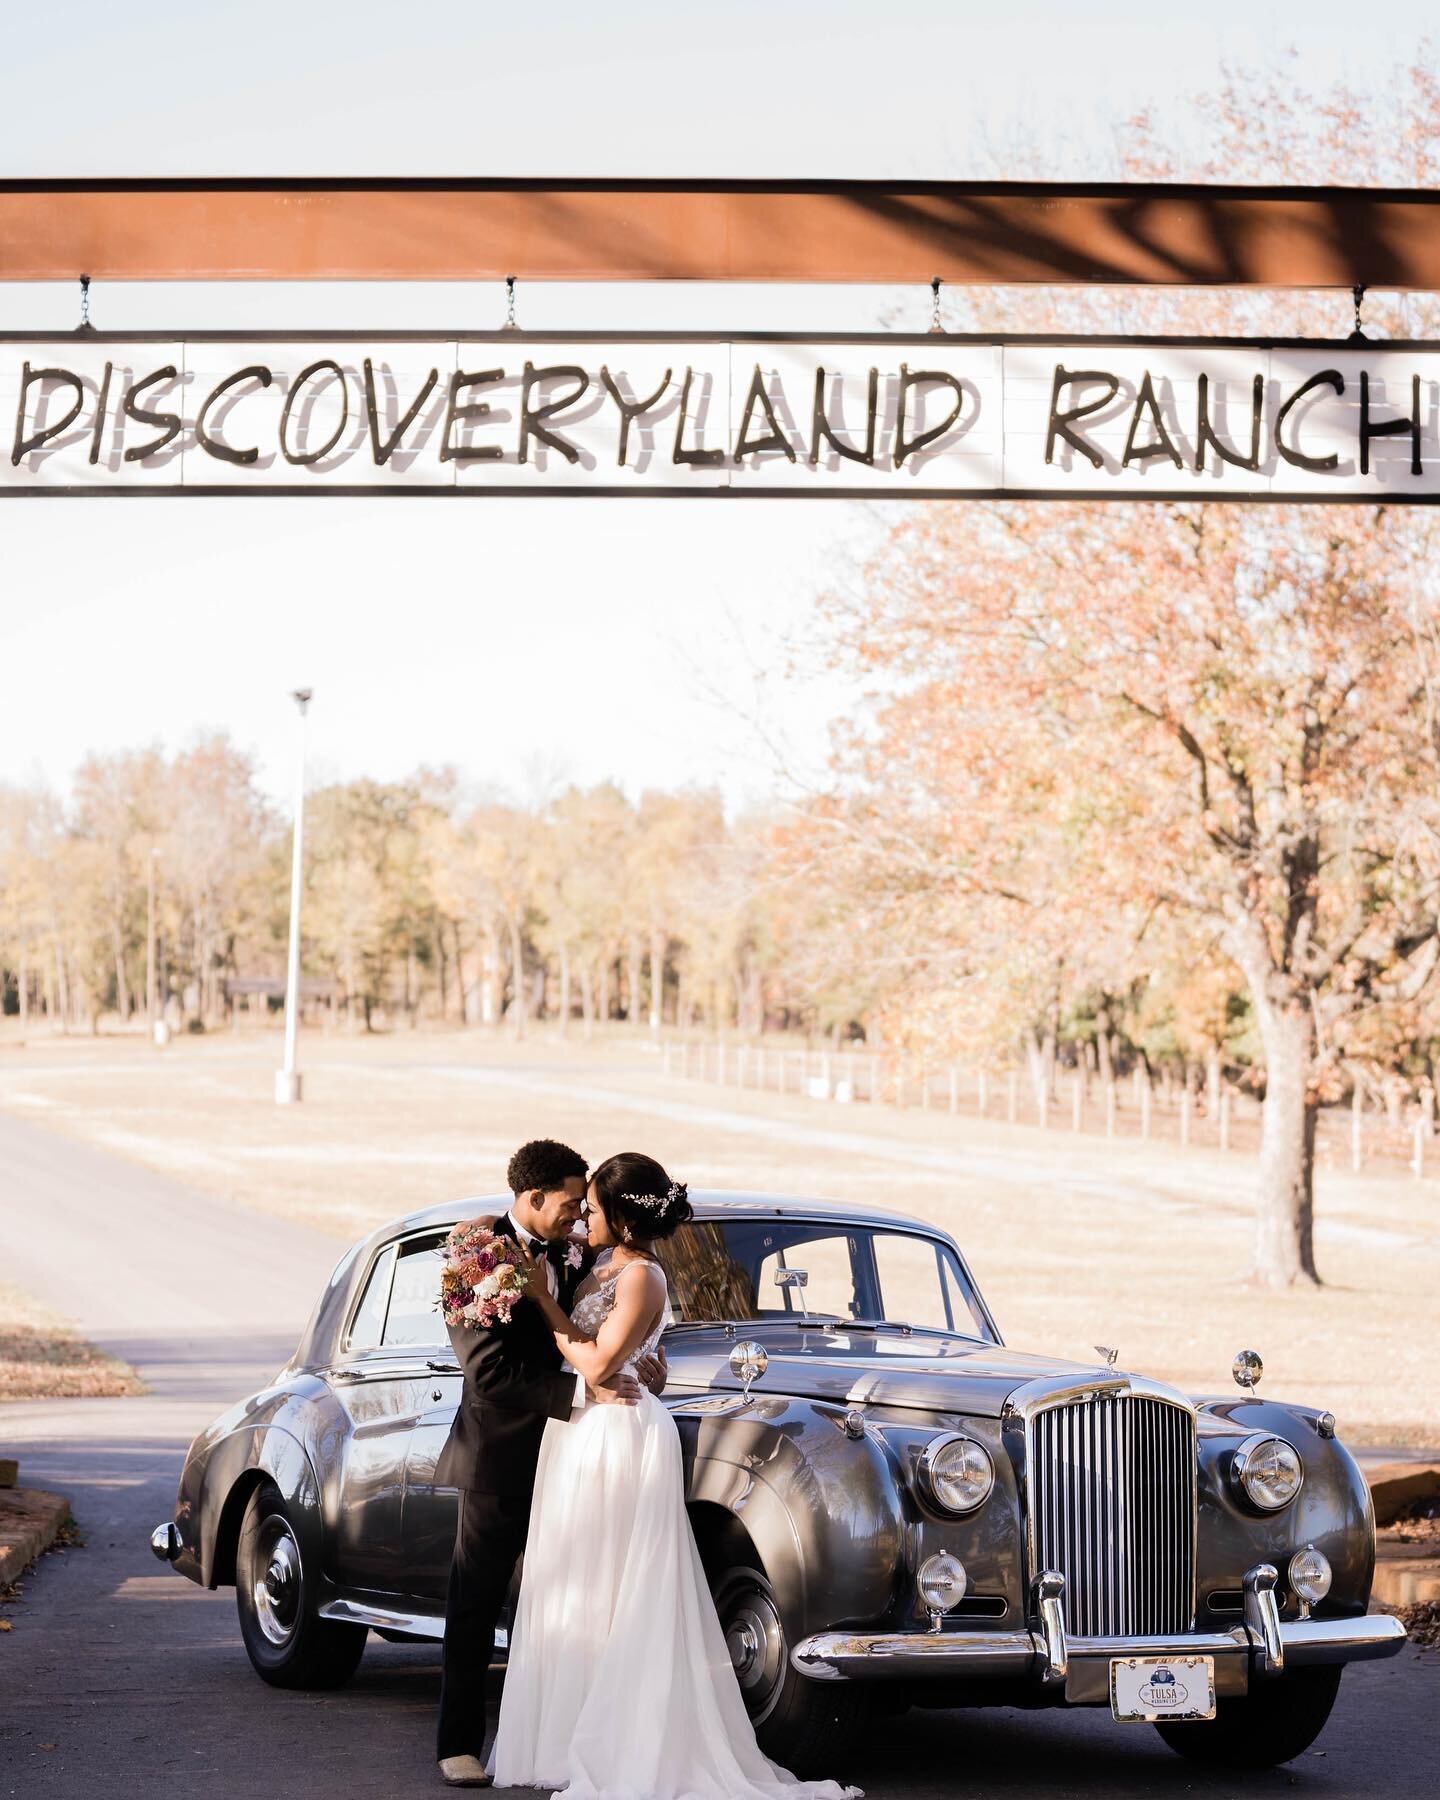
(619, 1684)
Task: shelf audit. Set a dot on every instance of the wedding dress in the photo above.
(619, 1684)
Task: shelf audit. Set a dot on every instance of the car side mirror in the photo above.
(748, 1360)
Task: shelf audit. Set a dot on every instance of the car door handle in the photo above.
(444, 1368)
(346, 1374)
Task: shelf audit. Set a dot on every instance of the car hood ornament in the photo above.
(1108, 1353)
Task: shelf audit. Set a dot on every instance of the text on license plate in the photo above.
(1146, 1688)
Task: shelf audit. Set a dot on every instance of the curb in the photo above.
(1405, 1575)
(1394, 1486)
(30, 1522)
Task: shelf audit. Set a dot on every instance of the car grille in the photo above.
(1112, 1508)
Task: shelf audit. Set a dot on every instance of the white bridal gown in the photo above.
(619, 1685)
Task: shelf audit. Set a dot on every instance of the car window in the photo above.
(829, 1279)
(369, 1321)
(724, 1269)
(909, 1288)
(414, 1314)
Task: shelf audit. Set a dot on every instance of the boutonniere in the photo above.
(574, 1254)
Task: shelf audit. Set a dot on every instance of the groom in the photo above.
(514, 1381)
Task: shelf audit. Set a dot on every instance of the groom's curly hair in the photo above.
(544, 1164)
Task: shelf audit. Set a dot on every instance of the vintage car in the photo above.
(892, 1507)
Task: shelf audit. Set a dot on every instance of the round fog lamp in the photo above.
(942, 1582)
(1310, 1574)
(1269, 1472)
(958, 1473)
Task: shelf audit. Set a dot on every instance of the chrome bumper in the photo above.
(1263, 1646)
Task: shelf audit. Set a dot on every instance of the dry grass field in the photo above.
(1073, 1239)
(42, 1357)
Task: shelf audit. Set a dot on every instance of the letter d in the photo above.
(24, 445)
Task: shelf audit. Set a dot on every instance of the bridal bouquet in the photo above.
(480, 1282)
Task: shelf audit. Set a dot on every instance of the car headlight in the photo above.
(1310, 1574)
(957, 1473)
(1268, 1472)
(942, 1582)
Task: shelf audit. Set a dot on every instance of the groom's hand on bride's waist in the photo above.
(653, 1371)
(619, 1390)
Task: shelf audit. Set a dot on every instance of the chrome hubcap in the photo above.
(756, 1642)
(744, 1642)
(276, 1581)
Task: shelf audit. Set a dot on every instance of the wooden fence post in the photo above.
(1077, 1101)
(1424, 1127)
(1224, 1119)
(1186, 1099)
(1111, 1108)
(1013, 1096)
(1357, 1127)
(1042, 1105)
(1146, 1101)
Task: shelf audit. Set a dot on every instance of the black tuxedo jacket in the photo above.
(514, 1379)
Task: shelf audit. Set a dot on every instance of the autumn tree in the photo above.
(1095, 714)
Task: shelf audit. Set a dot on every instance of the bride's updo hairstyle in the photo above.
(640, 1201)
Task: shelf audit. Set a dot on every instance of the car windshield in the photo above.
(792, 1269)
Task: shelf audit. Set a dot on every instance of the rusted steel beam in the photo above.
(855, 231)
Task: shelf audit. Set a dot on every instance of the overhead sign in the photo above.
(876, 416)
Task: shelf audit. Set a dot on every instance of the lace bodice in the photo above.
(590, 1311)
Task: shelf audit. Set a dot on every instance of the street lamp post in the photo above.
(152, 1011)
(287, 1081)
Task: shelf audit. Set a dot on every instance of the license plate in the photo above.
(1146, 1688)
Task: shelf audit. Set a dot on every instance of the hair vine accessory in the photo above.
(658, 1203)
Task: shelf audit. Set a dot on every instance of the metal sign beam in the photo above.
(794, 231)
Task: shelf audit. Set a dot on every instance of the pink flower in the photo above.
(574, 1254)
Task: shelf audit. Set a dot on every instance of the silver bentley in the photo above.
(893, 1509)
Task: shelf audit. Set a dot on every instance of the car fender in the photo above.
(821, 1507)
(235, 1466)
(1332, 1512)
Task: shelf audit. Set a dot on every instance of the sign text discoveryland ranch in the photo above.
(511, 413)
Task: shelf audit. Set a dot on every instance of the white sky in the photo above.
(580, 638)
